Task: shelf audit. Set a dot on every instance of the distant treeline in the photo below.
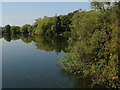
(57, 25)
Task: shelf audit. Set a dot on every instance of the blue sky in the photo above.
(20, 13)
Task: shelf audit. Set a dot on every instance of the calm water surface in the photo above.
(24, 66)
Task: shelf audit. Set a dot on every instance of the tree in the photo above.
(6, 29)
(100, 4)
(25, 29)
(15, 29)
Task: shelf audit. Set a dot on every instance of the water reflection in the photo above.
(79, 80)
(16, 68)
(27, 67)
(46, 43)
(82, 81)
(37, 69)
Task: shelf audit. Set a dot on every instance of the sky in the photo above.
(46, 0)
(20, 13)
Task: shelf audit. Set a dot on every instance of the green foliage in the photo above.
(7, 37)
(98, 5)
(1, 32)
(25, 29)
(48, 26)
(46, 43)
(57, 25)
(94, 45)
(15, 29)
(6, 29)
(68, 64)
(53, 43)
(26, 38)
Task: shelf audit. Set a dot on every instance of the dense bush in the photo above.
(94, 44)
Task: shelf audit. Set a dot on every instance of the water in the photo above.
(30, 65)
(27, 67)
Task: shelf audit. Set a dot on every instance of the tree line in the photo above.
(57, 25)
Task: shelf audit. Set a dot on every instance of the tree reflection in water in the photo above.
(46, 43)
